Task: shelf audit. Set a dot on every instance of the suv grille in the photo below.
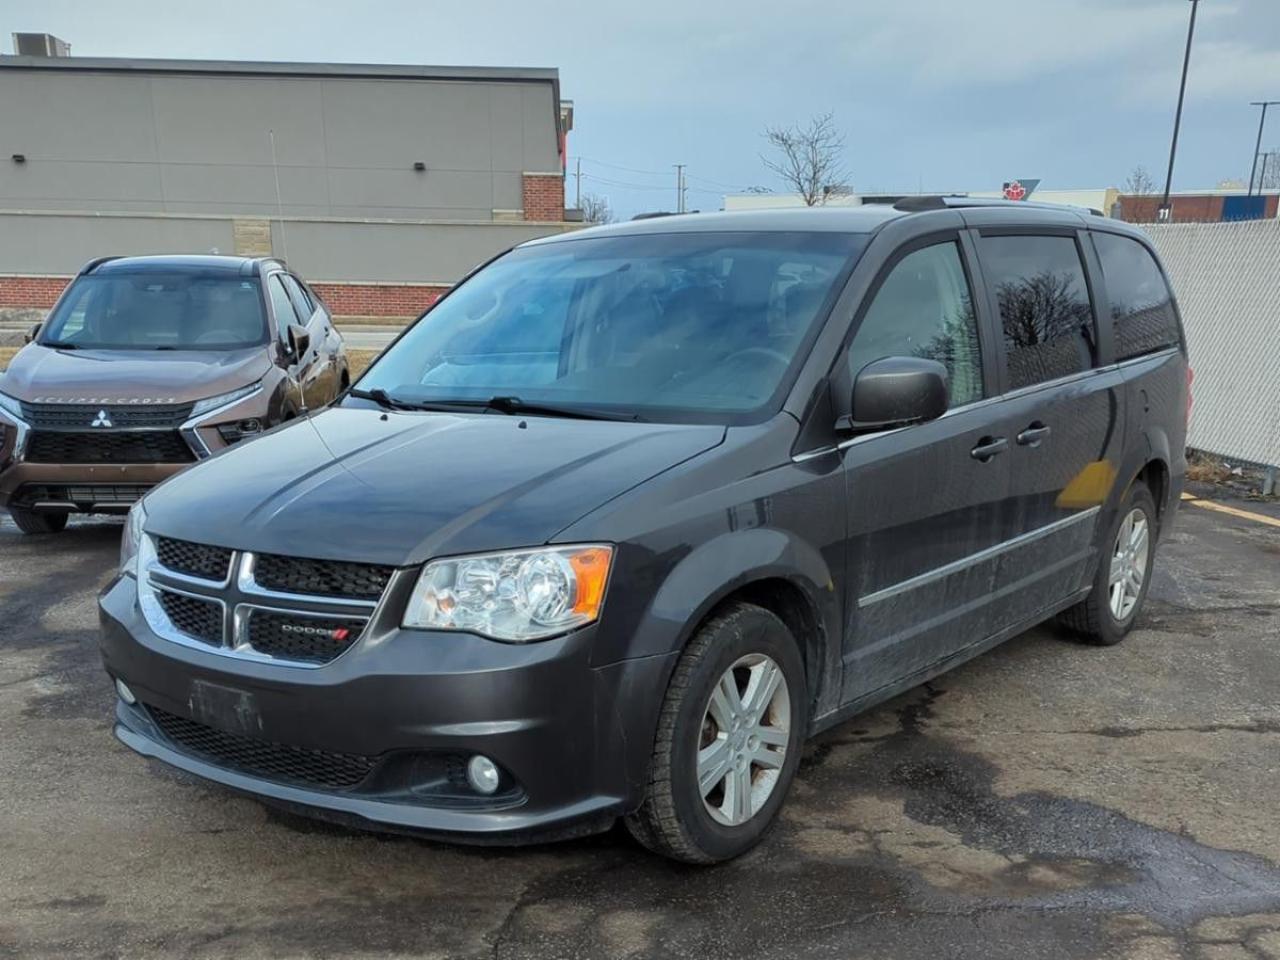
(309, 639)
(153, 446)
(262, 758)
(130, 415)
(328, 578)
(199, 619)
(194, 559)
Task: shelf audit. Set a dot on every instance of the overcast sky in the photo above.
(939, 94)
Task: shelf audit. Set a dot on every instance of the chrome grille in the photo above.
(327, 578)
(194, 559)
(185, 588)
(76, 416)
(310, 639)
(199, 619)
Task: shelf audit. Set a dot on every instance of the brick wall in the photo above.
(543, 196)
(31, 292)
(378, 299)
(398, 300)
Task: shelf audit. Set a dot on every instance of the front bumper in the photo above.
(572, 740)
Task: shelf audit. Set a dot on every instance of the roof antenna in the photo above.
(275, 171)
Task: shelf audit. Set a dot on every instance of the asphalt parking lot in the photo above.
(1048, 800)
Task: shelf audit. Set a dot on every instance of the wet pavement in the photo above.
(1047, 800)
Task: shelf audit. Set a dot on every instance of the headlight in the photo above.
(9, 405)
(222, 399)
(131, 539)
(517, 595)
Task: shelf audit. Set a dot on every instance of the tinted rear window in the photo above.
(1141, 304)
(1044, 305)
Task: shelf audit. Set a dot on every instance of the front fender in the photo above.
(695, 585)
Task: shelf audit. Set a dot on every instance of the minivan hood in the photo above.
(403, 487)
(104, 376)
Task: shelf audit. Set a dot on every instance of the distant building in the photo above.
(1202, 206)
(1223, 204)
(383, 183)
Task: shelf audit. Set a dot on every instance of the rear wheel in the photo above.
(29, 521)
(728, 741)
(1120, 586)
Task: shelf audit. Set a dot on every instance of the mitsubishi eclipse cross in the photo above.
(146, 365)
(632, 512)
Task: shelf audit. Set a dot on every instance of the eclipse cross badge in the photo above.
(101, 420)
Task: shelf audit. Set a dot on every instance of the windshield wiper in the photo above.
(514, 406)
(59, 344)
(382, 399)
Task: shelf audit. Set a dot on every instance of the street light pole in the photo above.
(1262, 122)
(1163, 213)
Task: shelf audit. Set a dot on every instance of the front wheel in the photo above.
(1120, 586)
(728, 742)
(29, 521)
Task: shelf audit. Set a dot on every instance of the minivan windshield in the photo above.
(698, 326)
(182, 310)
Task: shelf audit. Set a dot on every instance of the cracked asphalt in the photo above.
(1047, 800)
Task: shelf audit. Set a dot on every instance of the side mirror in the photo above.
(897, 391)
(299, 340)
(32, 333)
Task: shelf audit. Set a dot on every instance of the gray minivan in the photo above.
(633, 511)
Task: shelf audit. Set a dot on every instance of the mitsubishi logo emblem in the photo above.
(101, 420)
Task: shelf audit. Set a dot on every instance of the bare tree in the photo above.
(808, 158)
(596, 209)
(1139, 183)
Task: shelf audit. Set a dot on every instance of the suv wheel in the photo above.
(728, 741)
(1124, 573)
(29, 521)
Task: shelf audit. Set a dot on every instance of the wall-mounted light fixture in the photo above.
(419, 166)
(19, 158)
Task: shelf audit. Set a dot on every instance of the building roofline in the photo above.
(267, 68)
(283, 68)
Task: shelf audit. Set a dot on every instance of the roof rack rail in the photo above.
(956, 201)
(95, 263)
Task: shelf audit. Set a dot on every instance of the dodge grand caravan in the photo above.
(634, 511)
(148, 364)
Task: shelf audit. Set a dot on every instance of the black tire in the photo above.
(1092, 620)
(673, 820)
(29, 521)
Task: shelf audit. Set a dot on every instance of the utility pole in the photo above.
(577, 202)
(1262, 122)
(1163, 213)
(680, 187)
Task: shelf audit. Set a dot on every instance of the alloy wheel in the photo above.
(745, 731)
(1129, 563)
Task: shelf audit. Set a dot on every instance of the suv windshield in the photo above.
(686, 326)
(159, 311)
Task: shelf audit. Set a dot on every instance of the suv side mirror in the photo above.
(299, 339)
(32, 333)
(897, 391)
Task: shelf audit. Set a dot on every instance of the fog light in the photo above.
(482, 774)
(125, 693)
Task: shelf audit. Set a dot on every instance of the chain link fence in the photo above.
(1227, 278)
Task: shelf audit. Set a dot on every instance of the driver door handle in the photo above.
(1032, 436)
(988, 447)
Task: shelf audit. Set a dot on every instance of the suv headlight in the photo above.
(131, 539)
(10, 405)
(222, 399)
(517, 595)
